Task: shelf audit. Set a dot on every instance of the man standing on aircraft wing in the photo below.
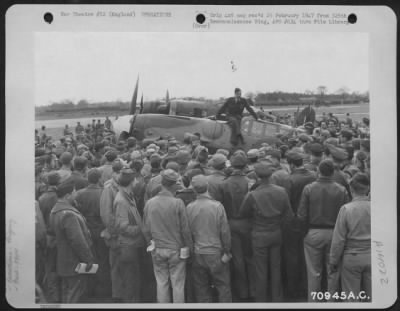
(233, 108)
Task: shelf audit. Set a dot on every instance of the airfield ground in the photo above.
(54, 125)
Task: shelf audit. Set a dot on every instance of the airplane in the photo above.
(215, 134)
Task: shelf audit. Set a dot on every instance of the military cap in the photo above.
(325, 133)
(131, 142)
(365, 144)
(316, 148)
(173, 166)
(53, 178)
(120, 146)
(150, 150)
(66, 158)
(117, 166)
(111, 155)
(217, 160)
(276, 154)
(126, 176)
(80, 162)
(283, 148)
(94, 175)
(172, 149)
(332, 141)
(147, 141)
(153, 146)
(200, 148)
(161, 142)
(293, 155)
(337, 153)
(252, 153)
(155, 157)
(98, 146)
(65, 187)
(346, 133)
(170, 175)
(82, 146)
(361, 156)
(238, 159)
(173, 142)
(183, 157)
(360, 179)
(263, 169)
(136, 165)
(199, 183)
(136, 155)
(223, 151)
(265, 145)
(304, 137)
(351, 170)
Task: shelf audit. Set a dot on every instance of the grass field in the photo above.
(55, 124)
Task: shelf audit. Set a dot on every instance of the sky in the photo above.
(105, 66)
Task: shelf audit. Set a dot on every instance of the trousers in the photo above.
(207, 269)
(116, 281)
(235, 126)
(267, 261)
(169, 267)
(52, 282)
(356, 275)
(317, 244)
(74, 288)
(102, 280)
(242, 266)
(295, 265)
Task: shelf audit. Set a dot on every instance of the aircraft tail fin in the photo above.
(132, 109)
(141, 104)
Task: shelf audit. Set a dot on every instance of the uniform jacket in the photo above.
(299, 178)
(312, 165)
(46, 202)
(215, 180)
(165, 222)
(153, 183)
(139, 190)
(209, 226)
(234, 109)
(64, 174)
(88, 203)
(320, 203)
(186, 195)
(73, 238)
(107, 212)
(280, 178)
(79, 180)
(340, 178)
(40, 227)
(106, 172)
(268, 207)
(232, 192)
(352, 233)
(128, 221)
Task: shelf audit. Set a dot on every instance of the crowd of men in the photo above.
(165, 221)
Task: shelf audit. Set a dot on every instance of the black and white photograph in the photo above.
(198, 167)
